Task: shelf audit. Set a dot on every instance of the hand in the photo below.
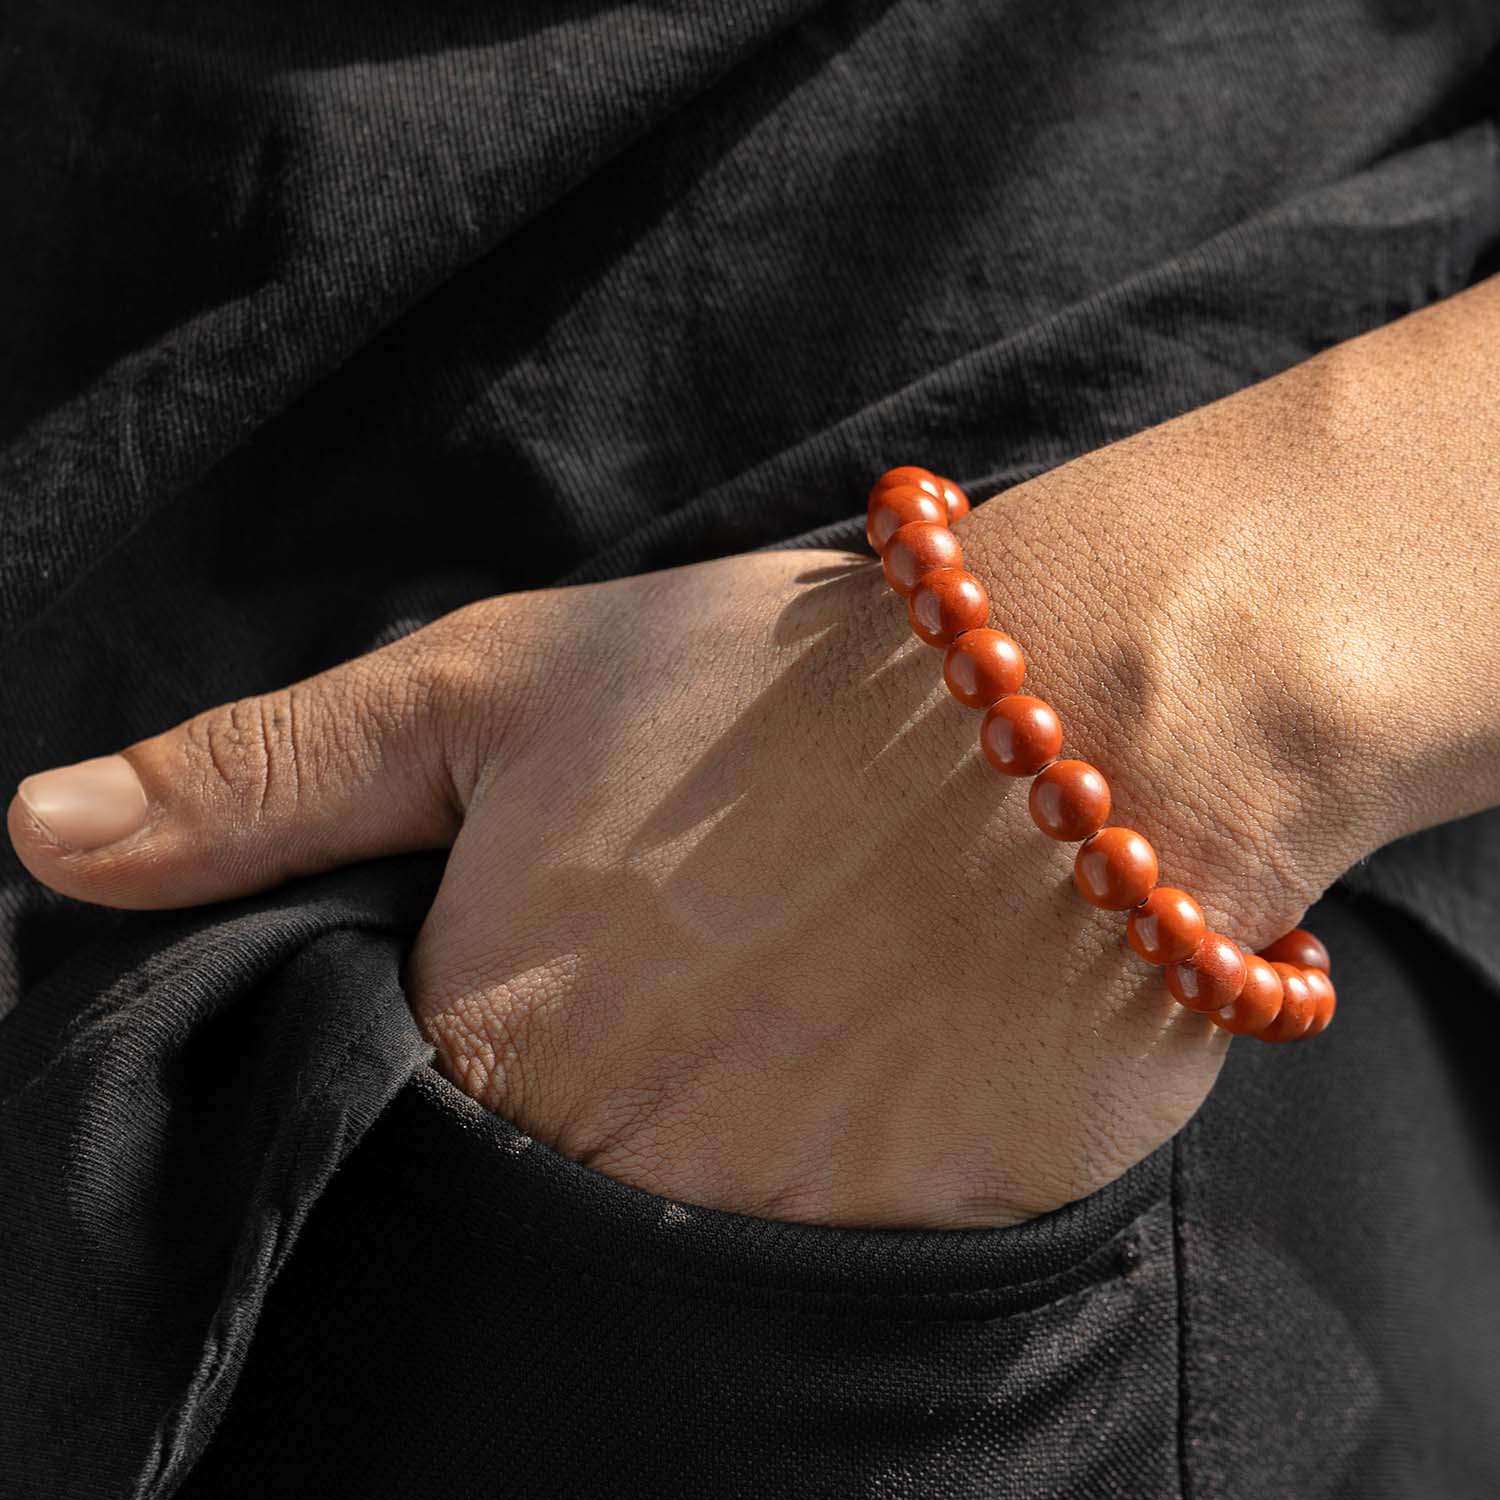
(734, 910)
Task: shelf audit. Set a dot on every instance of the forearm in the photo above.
(1382, 457)
(1313, 564)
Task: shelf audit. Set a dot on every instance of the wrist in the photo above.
(1204, 685)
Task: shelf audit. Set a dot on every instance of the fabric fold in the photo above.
(157, 1166)
(347, 214)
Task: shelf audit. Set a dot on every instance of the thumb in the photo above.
(348, 765)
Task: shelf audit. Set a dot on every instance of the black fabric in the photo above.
(725, 1356)
(322, 322)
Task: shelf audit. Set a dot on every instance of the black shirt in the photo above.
(321, 322)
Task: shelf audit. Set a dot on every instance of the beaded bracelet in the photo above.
(1281, 993)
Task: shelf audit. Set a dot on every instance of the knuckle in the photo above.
(230, 750)
(264, 751)
(472, 678)
(432, 701)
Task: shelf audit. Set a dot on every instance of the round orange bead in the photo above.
(1020, 734)
(1069, 801)
(1324, 998)
(918, 548)
(899, 506)
(954, 498)
(908, 474)
(1115, 869)
(945, 603)
(1214, 977)
(983, 665)
(1298, 948)
(1258, 1002)
(1166, 927)
(1298, 1006)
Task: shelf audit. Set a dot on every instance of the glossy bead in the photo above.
(1298, 948)
(1258, 1002)
(954, 498)
(1298, 1006)
(1324, 999)
(1020, 734)
(945, 603)
(1212, 978)
(1070, 800)
(897, 507)
(908, 474)
(983, 665)
(1166, 927)
(918, 548)
(1115, 869)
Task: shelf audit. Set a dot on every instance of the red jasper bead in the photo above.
(945, 603)
(908, 474)
(1258, 1003)
(899, 506)
(1115, 869)
(1166, 927)
(1213, 978)
(918, 548)
(1298, 1006)
(954, 498)
(1020, 734)
(1069, 801)
(1324, 998)
(983, 665)
(1298, 948)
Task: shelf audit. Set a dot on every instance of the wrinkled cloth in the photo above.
(322, 322)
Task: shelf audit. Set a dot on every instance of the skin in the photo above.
(735, 911)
